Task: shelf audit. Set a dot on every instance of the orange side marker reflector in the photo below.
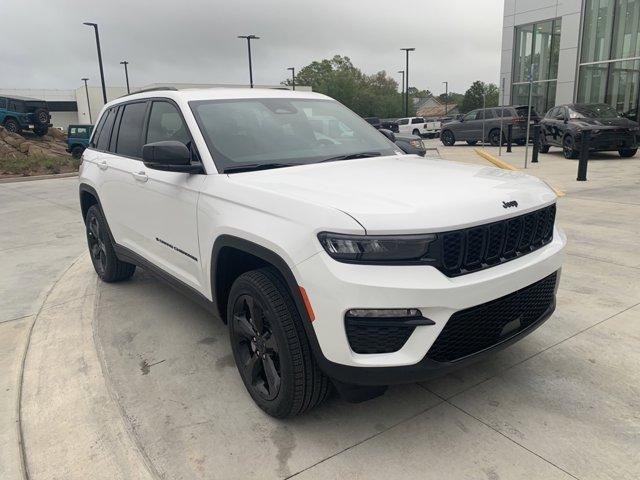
(307, 303)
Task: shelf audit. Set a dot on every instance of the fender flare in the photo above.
(289, 278)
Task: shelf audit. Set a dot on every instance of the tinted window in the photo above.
(471, 115)
(3, 102)
(523, 112)
(130, 131)
(417, 120)
(165, 123)
(487, 114)
(403, 121)
(102, 143)
(98, 130)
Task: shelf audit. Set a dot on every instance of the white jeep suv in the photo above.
(334, 258)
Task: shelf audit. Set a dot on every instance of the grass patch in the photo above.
(38, 165)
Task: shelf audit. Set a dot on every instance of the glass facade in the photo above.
(537, 44)
(610, 56)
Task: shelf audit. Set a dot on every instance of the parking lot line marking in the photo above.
(506, 166)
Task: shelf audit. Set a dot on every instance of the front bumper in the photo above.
(333, 288)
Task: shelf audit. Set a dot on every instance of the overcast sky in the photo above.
(45, 45)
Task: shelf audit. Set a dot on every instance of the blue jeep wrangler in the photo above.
(20, 113)
(78, 139)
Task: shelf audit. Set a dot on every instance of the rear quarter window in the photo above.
(129, 142)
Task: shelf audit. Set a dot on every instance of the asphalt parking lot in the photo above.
(132, 380)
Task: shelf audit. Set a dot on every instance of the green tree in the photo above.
(455, 99)
(473, 96)
(367, 95)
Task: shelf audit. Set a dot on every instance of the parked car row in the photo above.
(562, 126)
(419, 126)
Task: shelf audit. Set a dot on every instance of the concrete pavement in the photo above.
(132, 380)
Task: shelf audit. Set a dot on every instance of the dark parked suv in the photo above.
(469, 127)
(563, 126)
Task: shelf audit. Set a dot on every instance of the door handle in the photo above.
(140, 176)
(103, 165)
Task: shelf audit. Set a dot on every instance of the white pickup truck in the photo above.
(419, 126)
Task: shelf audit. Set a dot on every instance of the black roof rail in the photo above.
(152, 89)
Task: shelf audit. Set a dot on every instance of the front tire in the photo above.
(472, 142)
(103, 256)
(270, 346)
(627, 152)
(416, 132)
(568, 148)
(447, 138)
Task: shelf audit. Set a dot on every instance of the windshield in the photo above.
(284, 131)
(593, 111)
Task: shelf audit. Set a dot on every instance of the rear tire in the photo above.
(416, 132)
(12, 126)
(447, 138)
(568, 148)
(627, 152)
(76, 152)
(270, 346)
(103, 256)
(472, 142)
(495, 137)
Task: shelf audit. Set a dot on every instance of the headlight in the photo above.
(416, 143)
(376, 249)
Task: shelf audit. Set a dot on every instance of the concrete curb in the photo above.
(69, 423)
(37, 177)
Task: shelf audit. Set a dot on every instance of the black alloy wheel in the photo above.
(472, 142)
(568, 148)
(103, 256)
(447, 138)
(256, 347)
(495, 137)
(97, 247)
(270, 347)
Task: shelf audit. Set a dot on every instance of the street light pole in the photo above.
(293, 77)
(402, 72)
(104, 89)
(406, 78)
(249, 38)
(446, 98)
(126, 74)
(86, 91)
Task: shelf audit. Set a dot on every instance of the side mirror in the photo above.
(170, 156)
(388, 133)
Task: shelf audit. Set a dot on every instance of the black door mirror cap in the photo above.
(170, 155)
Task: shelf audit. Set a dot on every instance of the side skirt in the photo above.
(127, 255)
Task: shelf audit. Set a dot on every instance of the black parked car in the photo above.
(562, 126)
(386, 124)
(407, 143)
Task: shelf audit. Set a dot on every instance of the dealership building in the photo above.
(82, 105)
(585, 51)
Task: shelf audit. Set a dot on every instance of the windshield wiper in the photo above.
(351, 156)
(249, 167)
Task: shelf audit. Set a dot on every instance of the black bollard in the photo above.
(536, 143)
(584, 156)
(509, 136)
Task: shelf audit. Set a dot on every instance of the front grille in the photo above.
(475, 248)
(478, 328)
(366, 337)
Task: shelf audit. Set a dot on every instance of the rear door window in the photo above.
(403, 121)
(103, 142)
(98, 130)
(129, 142)
(471, 116)
(417, 120)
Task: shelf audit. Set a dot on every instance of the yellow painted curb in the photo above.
(506, 166)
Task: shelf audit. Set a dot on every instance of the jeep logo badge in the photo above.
(510, 204)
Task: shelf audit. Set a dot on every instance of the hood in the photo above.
(406, 193)
(604, 123)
